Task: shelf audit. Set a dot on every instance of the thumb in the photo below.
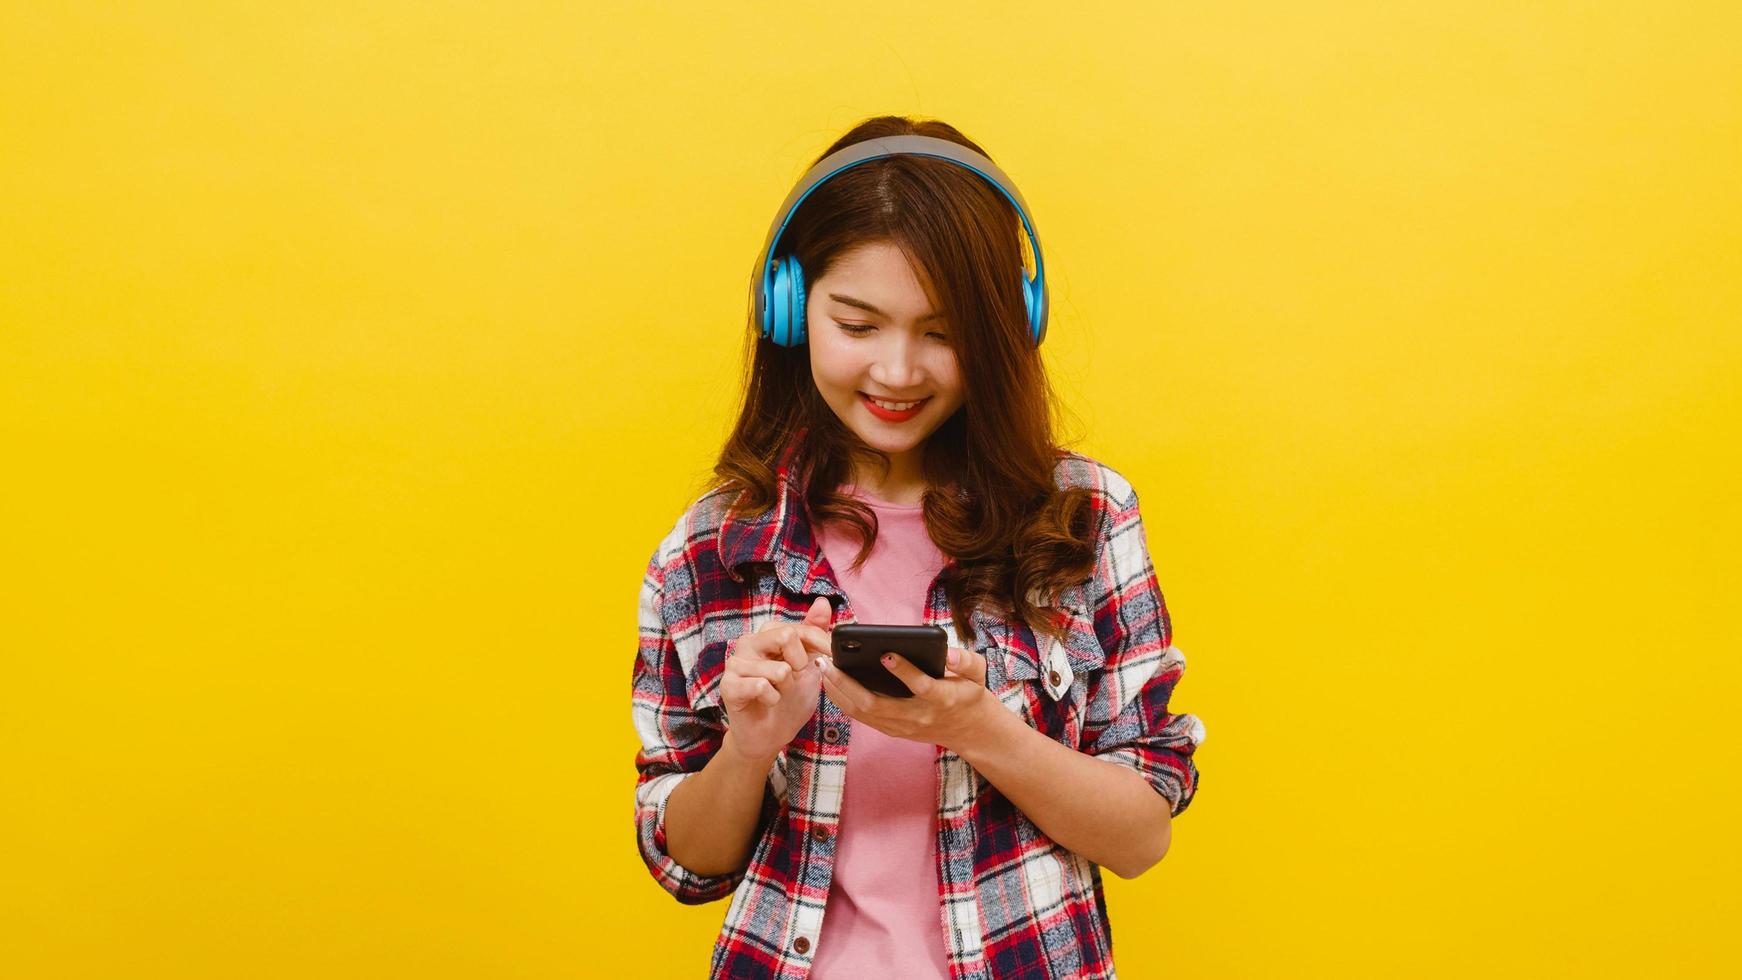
(967, 663)
(821, 613)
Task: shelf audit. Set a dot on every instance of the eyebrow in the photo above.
(867, 307)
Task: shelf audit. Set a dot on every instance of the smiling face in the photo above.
(873, 334)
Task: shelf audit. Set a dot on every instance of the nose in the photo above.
(896, 366)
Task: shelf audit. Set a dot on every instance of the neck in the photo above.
(904, 484)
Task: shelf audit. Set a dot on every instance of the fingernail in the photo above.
(888, 659)
(953, 657)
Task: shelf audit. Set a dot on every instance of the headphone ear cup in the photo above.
(1031, 300)
(786, 303)
(776, 299)
(763, 299)
(800, 319)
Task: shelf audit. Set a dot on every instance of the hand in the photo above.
(951, 711)
(770, 684)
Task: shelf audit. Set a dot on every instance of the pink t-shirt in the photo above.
(883, 917)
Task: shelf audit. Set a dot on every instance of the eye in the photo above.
(860, 329)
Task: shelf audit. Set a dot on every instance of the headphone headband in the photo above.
(777, 287)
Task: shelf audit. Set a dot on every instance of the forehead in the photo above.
(878, 266)
(881, 280)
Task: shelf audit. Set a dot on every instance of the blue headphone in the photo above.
(777, 286)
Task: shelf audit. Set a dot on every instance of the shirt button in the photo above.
(1054, 678)
(831, 733)
(802, 944)
(819, 833)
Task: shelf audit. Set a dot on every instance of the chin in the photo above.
(882, 442)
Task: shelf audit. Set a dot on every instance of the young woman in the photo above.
(894, 463)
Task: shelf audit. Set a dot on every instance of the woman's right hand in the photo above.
(772, 682)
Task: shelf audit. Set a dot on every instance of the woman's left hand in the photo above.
(950, 711)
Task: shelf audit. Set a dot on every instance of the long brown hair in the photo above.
(991, 505)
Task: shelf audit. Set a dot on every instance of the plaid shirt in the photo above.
(1013, 903)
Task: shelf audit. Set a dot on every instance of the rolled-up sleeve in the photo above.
(676, 742)
(1128, 720)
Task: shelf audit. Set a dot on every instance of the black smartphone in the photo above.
(858, 649)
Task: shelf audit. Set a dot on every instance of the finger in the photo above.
(738, 692)
(777, 671)
(792, 649)
(731, 693)
(776, 643)
(968, 664)
(917, 681)
(843, 689)
(763, 644)
(815, 640)
(834, 692)
(821, 613)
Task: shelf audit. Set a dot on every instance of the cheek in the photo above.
(948, 373)
(838, 379)
(828, 366)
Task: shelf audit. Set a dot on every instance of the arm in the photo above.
(1114, 801)
(712, 819)
(715, 823)
(1106, 813)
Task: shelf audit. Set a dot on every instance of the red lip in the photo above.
(888, 416)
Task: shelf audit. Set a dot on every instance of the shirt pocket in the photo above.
(705, 650)
(1043, 679)
(711, 645)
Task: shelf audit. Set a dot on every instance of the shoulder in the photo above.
(691, 542)
(1113, 493)
(1120, 537)
(698, 525)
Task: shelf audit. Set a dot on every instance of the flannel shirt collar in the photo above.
(781, 535)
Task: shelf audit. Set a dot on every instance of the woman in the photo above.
(894, 463)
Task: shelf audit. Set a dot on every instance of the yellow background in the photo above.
(355, 356)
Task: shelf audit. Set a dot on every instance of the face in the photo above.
(872, 334)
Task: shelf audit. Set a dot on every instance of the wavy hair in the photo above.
(991, 502)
